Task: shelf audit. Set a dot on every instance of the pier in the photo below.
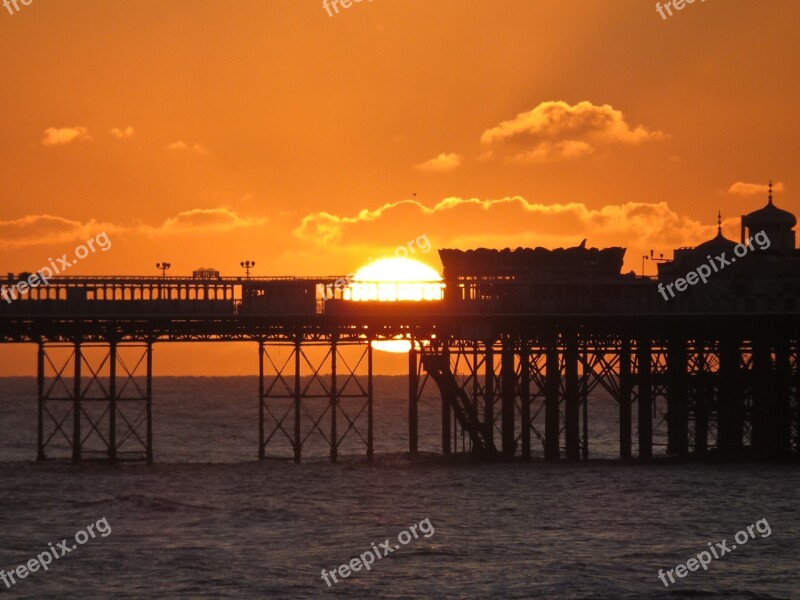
(515, 384)
(516, 347)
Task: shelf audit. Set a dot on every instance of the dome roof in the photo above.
(716, 245)
(769, 217)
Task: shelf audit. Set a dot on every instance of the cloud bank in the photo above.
(556, 130)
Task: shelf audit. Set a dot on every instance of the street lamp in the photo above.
(164, 266)
(644, 258)
(247, 265)
(659, 259)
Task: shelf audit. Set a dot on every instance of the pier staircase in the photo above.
(438, 367)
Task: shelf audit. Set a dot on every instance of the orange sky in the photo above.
(205, 132)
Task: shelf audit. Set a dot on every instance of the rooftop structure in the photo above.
(760, 272)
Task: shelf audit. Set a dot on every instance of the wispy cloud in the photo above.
(33, 230)
(59, 136)
(754, 189)
(181, 146)
(441, 164)
(122, 133)
(206, 219)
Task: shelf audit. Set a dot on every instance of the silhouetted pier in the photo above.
(516, 347)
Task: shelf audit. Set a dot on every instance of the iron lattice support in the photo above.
(511, 388)
(644, 397)
(607, 365)
(558, 376)
(303, 408)
(704, 395)
(92, 404)
(677, 394)
(417, 380)
(731, 397)
(746, 352)
(734, 395)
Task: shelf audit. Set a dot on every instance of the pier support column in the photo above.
(677, 401)
(781, 406)
(447, 444)
(552, 420)
(334, 404)
(508, 378)
(298, 443)
(149, 405)
(571, 401)
(702, 394)
(370, 397)
(794, 376)
(625, 401)
(730, 400)
(40, 455)
(76, 406)
(584, 399)
(645, 394)
(488, 395)
(261, 449)
(413, 402)
(525, 398)
(112, 403)
(761, 375)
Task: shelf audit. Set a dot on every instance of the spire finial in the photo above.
(719, 222)
(770, 191)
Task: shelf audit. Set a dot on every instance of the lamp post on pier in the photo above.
(247, 265)
(164, 266)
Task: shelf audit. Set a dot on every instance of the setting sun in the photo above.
(476, 255)
(395, 280)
